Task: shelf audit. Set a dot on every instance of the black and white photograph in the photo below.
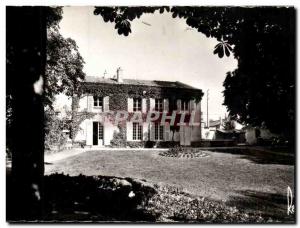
(150, 114)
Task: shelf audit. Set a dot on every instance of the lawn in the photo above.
(249, 180)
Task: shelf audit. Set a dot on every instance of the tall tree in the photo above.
(64, 72)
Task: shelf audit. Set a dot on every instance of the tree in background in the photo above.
(228, 124)
(54, 126)
(64, 72)
(64, 66)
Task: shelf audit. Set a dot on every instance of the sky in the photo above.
(159, 48)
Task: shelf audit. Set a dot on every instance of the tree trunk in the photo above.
(26, 55)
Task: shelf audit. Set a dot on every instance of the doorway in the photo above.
(98, 132)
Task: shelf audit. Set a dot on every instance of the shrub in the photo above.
(164, 144)
(176, 150)
(167, 144)
(175, 205)
(118, 140)
(149, 144)
(80, 144)
(54, 135)
(133, 144)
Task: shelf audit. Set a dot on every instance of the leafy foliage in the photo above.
(118, 140)
(54, 130)
(221, 48)
(64, 69)
(53, 16)
(122, 16)
(228, 124)
(64, 73)
(173, 204)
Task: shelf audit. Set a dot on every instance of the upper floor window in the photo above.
(137, 104)
(184, 105)
(98, 101)
(137, 131)
(159, 105)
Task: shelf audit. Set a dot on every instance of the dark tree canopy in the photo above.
(262, 90)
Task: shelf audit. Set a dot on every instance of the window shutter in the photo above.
(152, 104)
(144, 105)
(107, 132)
(90, 103)
(198, 115)
(129, 131)
(187, 135)
(192, 105)
(181, 134)
(106, 104)
(152, 130)
(89, 132)
(167, 132)
(178, 105)
(166, 105)
(130, 104)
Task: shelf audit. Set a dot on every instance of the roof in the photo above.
(155, 83)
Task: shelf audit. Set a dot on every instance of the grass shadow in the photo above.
(260, 156)
(267, 204)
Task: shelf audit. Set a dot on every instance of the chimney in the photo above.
(104, 74)
(119, 75)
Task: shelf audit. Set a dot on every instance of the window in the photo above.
(137, 131)
(100, 131)
(98, 102)
(161, 132)
(184, 105)
(137, 104)
(159, 105)
(158, 132)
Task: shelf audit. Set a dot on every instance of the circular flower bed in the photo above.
(180, 152)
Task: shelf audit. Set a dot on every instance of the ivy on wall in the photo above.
(118, 102)
(132, 91)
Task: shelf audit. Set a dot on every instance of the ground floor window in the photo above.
(158, 132)
(137, 131)
(100, 134)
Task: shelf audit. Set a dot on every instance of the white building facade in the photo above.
(135, 112)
